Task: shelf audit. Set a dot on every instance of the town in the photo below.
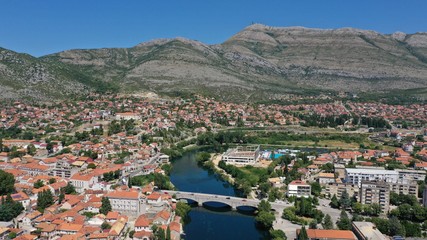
(98, 168)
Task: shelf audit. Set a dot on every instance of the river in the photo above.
(213, 223)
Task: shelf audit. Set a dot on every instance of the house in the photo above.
(83, 181)
(68, 228)
(142, 224)
(163, 217)
(299, 188)
(154, 198)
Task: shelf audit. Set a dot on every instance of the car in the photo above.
(228, 198)
(244, 200)
(165, 192)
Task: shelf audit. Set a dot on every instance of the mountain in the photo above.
(259, 62)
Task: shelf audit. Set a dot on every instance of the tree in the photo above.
(69, 189)
(7, 181)
(12, 235)
(334, 202)
(303, 234)
(31, 149)
(61, 197)
(91, 166)
(38, 184)
(105, 225)
(345, 201)
(395, 227)
(344, 222)
(316, 189)
(182, 209)
(44, 200)
(327, 222)
(313, 224)
(105, 206)
(265, 219)
(264, 206)
(9, 209)
(52, 180)
(168, 233)
(277, 234)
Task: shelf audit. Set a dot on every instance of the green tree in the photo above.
(313, 224)
(316, 189)
(344, 222)
(327, 222)
(277, 234)
(91, 166)
(7, 181)
(303, 234)
(168, 233)
(38, 184)
(345, 201)
(44, 200)
(264, 206)
(182, 209)
(334, 202)
(12, 235)
(52, 180)
(61, 197)
(105, 206)
(105, 225)
(395, 227)
(265, 219)
(69, 189)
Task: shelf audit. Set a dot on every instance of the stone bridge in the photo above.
(233, 202)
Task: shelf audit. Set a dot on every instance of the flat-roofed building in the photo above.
(247, 155)
(299, 188)
(408, 175)
(357, 175)
(367, 231)
(375, 192)
(337, 189)
(406, 189)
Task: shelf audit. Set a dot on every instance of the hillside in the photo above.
(260, 62)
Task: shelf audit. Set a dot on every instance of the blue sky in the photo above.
(48, 26)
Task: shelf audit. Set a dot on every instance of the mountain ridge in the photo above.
(259, 62)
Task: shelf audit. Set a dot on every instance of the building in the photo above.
(367, 231)
(357, 175)
(126, 202)
(63, 169)
(406, 189)
(375, 192)
(242, 155)
(325, 178)
(337, 189)
(323, 234)
(83, 182)
(299, 188)
(408, 176)
(128, 116)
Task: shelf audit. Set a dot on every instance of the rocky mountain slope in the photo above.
(259, 62)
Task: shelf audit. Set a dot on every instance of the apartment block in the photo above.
(375, 192)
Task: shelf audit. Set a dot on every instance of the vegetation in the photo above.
(69, 189)
(106, 206)
(44, 200)
(9, 209)
(265, 217)
(160, 180)
(7, 183)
